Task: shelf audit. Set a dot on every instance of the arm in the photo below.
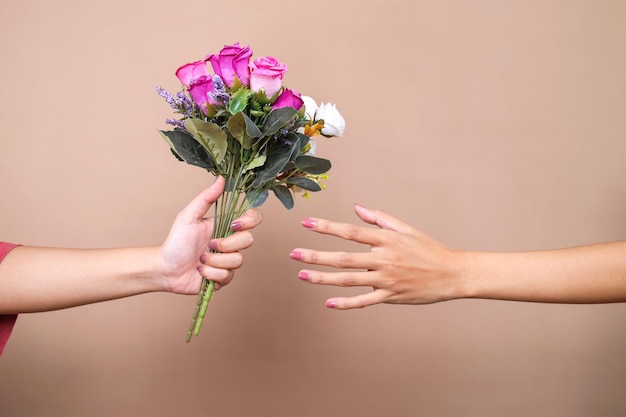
(40, 279)
(405, 266)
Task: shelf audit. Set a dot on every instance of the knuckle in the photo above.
(247, 239)
(222, 276)
(312, 257)
(321, 226)
(345, 259)
(351, 231)
(237, 260)
(348, 280)
(315, 278)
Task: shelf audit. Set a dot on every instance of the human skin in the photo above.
(34, 279)
(405, 266)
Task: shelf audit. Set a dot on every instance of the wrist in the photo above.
(143, 271)
(465, 275)
(162, 272)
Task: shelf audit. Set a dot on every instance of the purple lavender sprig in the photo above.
(176, 123)
(169, 98)
(219, 93)
(180, 102)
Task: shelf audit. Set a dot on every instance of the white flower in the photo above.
(310, 107)
(334, 123)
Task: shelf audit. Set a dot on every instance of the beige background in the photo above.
(492, 125)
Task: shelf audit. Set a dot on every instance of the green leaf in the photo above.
(289, 166)
(277, 119)
(305, 183)
(211, 136)
(236, 125)
(237, 84)
(262, 98)
(278, 155)
(188, 149)
(242, 128)
(239, 101)
(251, 128)
(295, 139)
(312, 165)
(284, 195)
(256, 162)
(259, 199)
(304, 139)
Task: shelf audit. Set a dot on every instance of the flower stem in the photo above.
(196, 313)
(228, 207)
(206, 297)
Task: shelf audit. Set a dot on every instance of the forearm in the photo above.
(41, 279)
(586, 274)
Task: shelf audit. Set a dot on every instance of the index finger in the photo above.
(250, 219)
(347, 231)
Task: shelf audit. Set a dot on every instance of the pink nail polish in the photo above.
(308, 223)
(303, 275)
(331, 304)
(235, 226)
(203, 258)
(213, 245)
(297, 255)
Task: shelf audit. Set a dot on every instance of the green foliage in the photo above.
(256, 148)
(251, 128)
(239, 100)
(256, 199)
(278, 155)
(277, 119)
(304, 183)
(256, 162)
(242, 128)
(211, 136)
(284, 195)
(236, 126)
(187, 149)
(312, 164)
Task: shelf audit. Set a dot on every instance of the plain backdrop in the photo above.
(490, 125)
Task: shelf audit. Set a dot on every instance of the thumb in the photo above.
(198, 207)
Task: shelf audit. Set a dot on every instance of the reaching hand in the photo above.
(404, 265)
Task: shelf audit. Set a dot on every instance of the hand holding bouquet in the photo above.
(240, 122)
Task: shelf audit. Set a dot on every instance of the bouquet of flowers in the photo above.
(240, 122)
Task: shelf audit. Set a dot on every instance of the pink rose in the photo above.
(188, 73)
(266, 74)
(200, 92)
(233, 61)
(288, 98)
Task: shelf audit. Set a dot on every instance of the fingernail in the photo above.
(297, 255)
(203, 258)
(213, 245)
(303, 275)
(308, 223)
(236, 225)
(331, 304)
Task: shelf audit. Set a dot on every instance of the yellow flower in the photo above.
(312, 130)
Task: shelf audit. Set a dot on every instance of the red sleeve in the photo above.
(7, 321)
